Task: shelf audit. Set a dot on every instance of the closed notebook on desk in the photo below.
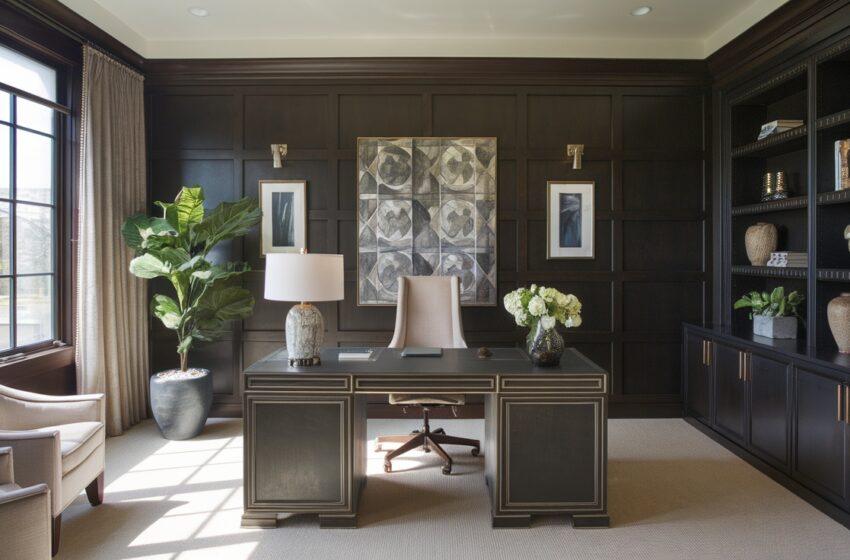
(421, 352)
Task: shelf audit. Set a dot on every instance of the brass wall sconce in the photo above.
(575, 151)
(279, 154)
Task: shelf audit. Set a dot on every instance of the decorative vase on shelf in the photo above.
(760, 241)
(545, 346)
(838, 315)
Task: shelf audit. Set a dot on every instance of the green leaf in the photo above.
(185, 345)
(777, 295)
(148, 266)
(221, 272)
(166, 310)
(190, 208)
(743, 302)
(172, 256)
(169, 213)
(229, 303)
(132, 228)
(226, 221)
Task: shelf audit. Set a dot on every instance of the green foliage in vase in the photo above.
(774, 304)
(176, 247)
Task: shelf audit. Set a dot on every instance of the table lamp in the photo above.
(304, 278)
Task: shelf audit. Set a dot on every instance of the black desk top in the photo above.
(453, 362)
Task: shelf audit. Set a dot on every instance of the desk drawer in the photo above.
(425, 384)
(571, 384)
(299, 384)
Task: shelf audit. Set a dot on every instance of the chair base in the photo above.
(428, 441)
(94, 492)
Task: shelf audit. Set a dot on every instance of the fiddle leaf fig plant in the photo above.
(774, 304)
(176, 247)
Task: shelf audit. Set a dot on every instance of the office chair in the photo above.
(427, 315)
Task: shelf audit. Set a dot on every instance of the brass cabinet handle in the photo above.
(708, 353)
(838, 413)
(704, 352)
(847, 404)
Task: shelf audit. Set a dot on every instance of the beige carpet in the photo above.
(673, 494)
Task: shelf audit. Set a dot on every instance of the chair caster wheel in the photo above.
(378, 449)
(388, 467)
(447, 469)
(426, 449)
(439, 431)
(475, 451)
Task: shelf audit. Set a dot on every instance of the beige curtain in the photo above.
(112, 329)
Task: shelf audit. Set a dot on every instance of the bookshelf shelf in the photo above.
(769, 271)
(782, 143)
(834, 274)
(833, 197)
(833, 120)
(792, 203)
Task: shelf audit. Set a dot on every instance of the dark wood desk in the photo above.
(545, 448)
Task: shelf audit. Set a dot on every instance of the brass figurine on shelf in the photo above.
(847, 236)
(781, 190)
(767, 187)
(771, 190)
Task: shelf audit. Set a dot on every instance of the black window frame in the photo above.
(62, 178)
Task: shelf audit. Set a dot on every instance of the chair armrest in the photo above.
(7, 470)
(22, 410)
(38, 458)
(24, 493)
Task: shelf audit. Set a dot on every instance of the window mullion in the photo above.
(13, 284)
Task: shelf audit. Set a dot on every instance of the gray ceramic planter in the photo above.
(775, 327)
(181, 406)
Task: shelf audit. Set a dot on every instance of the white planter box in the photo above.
(775, 327)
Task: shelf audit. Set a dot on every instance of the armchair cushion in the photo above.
(77, 441)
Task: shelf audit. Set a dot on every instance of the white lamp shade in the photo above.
(309, 277)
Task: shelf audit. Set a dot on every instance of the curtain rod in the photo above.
(68, 32)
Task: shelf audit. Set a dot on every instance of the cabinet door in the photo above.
(730, 393)
(820, 439)
(769, 425)
(698, 377)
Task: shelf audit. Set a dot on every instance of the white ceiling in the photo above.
(351, 28)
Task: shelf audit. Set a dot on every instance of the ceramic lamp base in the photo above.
(305, 330)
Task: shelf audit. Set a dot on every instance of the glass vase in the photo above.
(545, 346)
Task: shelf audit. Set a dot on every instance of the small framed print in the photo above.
(569, 219)
(284, 225)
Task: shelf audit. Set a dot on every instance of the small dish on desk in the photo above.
(354, 354)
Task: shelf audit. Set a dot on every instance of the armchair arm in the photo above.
(25, 522)
(22, 410)
(7, 471)
(39, 460)
(23, 493)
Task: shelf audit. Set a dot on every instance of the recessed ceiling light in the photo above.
(641, 11)
(198, 11)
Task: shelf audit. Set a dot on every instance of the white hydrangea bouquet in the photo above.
(547, 305)
(541, 308)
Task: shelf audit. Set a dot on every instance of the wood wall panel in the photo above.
(643, 152)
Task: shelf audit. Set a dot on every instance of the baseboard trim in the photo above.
(226, 410)
(824, 506)
(644, 410)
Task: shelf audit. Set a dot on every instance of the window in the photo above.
(30, 122)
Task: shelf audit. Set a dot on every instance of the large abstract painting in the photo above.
(426, 207)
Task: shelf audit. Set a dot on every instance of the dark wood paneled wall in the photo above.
(646, 151)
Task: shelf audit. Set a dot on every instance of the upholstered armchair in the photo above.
(24, 515)
(58, 441)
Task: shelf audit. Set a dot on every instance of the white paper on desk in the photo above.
(354, 356)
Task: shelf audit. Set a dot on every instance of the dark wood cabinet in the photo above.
(698, 375)
(787, 413)
(730, 392)
(820, 459)
(769, 381)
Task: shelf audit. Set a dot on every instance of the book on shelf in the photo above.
(777, 126)
(842, 171)
(788, 259)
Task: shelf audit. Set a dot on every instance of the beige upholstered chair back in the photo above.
(428, 313)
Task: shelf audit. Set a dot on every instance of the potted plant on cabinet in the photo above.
(176, 247)
(774, 315)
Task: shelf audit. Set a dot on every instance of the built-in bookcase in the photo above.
(814, 88)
